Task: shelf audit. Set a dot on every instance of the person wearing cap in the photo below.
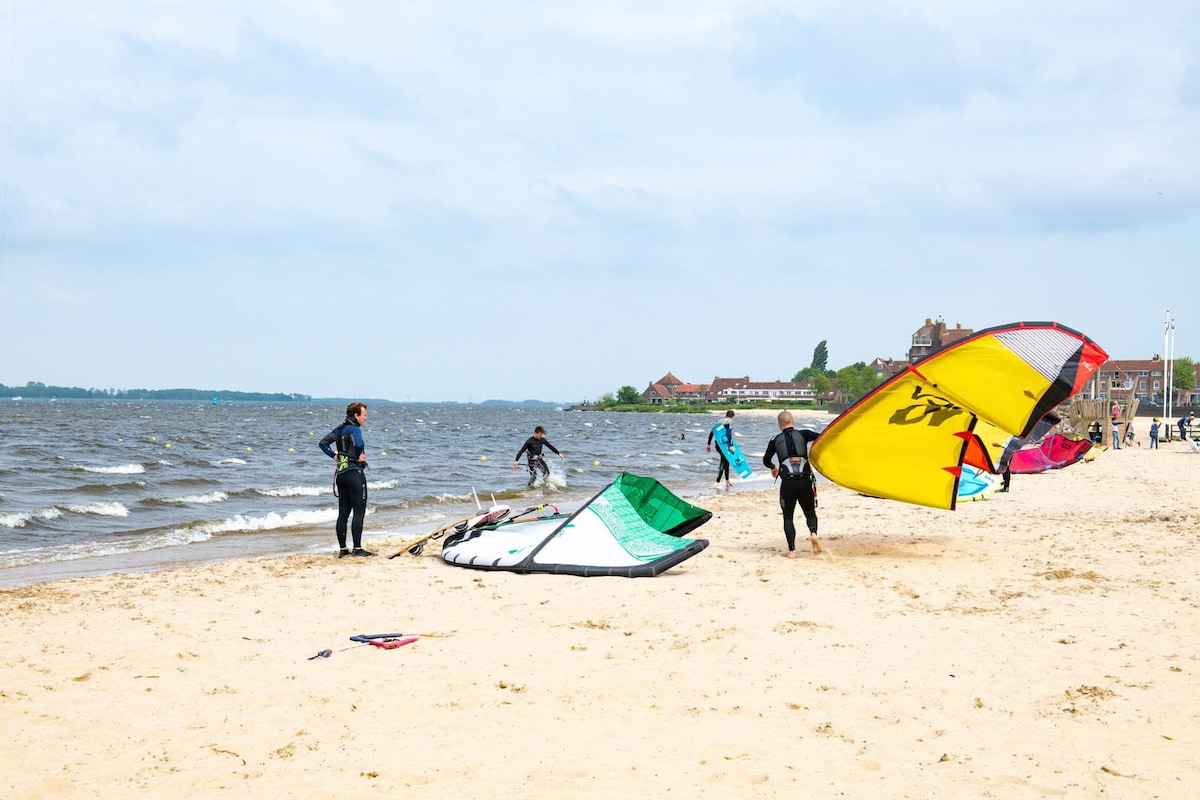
(1154, 434)
(1185, 423)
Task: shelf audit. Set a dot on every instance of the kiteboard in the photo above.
(493, 514)
(729, 448)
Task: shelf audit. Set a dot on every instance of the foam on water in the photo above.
(267, 522)
(201, 499)
(294, 491)
(100, 509)
(123, 469)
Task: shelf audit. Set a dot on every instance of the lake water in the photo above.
(91, 487)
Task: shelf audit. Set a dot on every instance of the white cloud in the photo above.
(413, 200)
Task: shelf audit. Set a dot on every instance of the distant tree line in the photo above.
(34, 389)
(853, 381)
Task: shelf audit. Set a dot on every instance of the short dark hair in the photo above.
(355, 407)
(539, 429)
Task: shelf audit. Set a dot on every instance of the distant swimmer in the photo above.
(533, 449)
(350, 481)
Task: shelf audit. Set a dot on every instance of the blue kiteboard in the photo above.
(729, 448)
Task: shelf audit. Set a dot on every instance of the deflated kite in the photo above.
(1054, 452)
(908, 438)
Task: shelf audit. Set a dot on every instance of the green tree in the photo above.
(849, 386)
(1183, 370)
(820, 361)
(819, 365)
(820, 385)
(627, 395)
(854, 381)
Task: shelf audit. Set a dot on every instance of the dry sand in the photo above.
(1039, 643)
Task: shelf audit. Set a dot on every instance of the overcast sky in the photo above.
(472, 200)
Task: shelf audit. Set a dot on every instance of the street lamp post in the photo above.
(1169, 375)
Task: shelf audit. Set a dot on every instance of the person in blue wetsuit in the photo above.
(533, 447)
(798, 486)
(344, 444)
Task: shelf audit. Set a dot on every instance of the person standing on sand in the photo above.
(1184, 424)
(798, 484)
(1154, 434)
(344, 444)
(533, 446)
(724, 468)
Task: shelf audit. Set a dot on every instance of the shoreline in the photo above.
(995, 650)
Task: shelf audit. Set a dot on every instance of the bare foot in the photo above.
(816, 547)
(791, 553)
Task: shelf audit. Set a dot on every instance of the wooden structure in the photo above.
(1093, 419)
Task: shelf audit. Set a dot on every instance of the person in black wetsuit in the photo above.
(344, 444)
(790, 446)
(533, 447)
(723, 469)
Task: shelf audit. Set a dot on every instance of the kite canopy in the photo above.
(975, 484)
(908, 438)
(1054, 452)
(633, 528)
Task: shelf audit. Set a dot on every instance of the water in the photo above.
(91, 487)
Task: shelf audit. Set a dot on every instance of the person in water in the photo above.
(798, 486)
(344, 444)
(723, 469)
(533, 450)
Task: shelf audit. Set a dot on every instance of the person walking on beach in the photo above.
(533, 448)
(798, 485)
(723, 469)
(1154, 434)
(1116, 436)
(344, 444)
(1184, 424)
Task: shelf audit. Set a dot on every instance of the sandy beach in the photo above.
(1038, 643)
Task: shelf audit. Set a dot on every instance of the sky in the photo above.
(428, 201)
